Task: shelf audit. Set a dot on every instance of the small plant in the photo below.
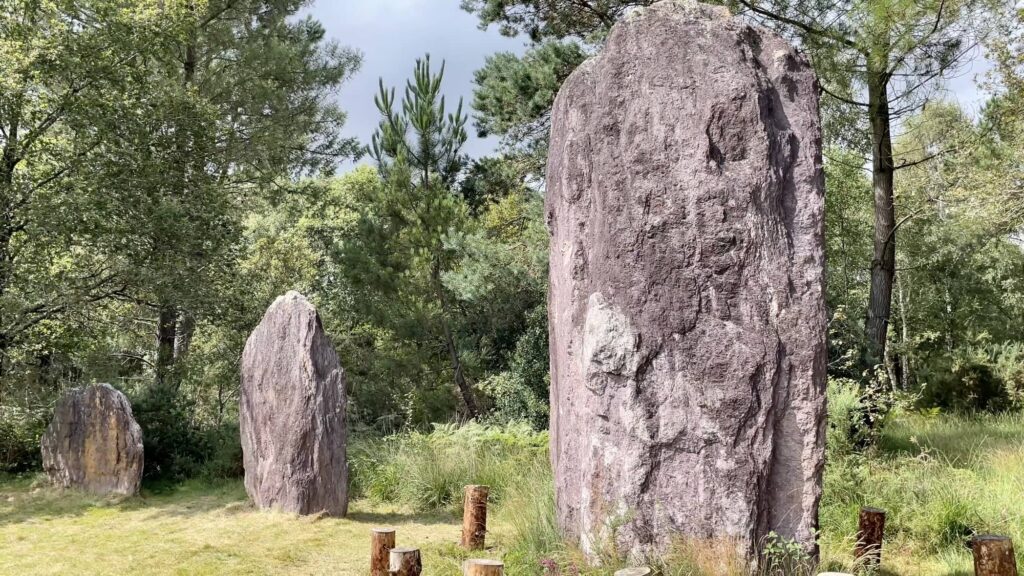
(782, 556)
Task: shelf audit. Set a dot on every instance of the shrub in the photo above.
(20, 431)
(970, 383)
(174, 448)
(847, 425)
(223, 450)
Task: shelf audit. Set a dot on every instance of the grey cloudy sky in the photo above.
(393, 33)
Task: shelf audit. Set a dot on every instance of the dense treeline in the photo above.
(168, 169)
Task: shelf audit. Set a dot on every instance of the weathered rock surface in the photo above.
(687, 318)
(292, 413)
(93, 443)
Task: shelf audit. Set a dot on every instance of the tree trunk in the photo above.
(166, 335)
(8, 162)
(883, 262)
(993, 556)
(868, 549)
(904, 335)
(453, 352)
(183, 341)
(167, 325)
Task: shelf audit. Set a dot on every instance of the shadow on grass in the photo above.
(31, 501)
(958, 441)
(26, 501)
(389, 518)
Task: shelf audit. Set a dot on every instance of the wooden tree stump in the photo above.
(634, 572)
(869, 537)
(993, 556)
(483, 568)
(382, 540)
(405, 562)
(474, 517)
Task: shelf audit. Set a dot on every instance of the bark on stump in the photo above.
(993, 556)
(483, 568)
(869, 537)
(405, 562)
(474, 517)
(634, 572)
(381, 543)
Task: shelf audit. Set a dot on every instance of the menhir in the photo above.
(93, 443)
(687, 316)
(292, 413)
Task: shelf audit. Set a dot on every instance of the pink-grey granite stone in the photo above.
(292, 413)
(687, 316)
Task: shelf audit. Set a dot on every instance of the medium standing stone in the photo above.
(687, 317)
(292, 413)
(93, 443)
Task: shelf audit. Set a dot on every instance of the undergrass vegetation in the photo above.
(941, 477)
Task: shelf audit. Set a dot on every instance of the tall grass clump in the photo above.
(942, 478)
(427, 471)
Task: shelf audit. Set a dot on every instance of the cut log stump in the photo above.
(405, 562)
(474, 517)
(869, 538)
(993, 556)
(382, 540)
(483, 568)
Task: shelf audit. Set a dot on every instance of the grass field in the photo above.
(941, 479)
(199, 529)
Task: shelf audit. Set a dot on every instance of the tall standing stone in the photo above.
(685, 204)
(93, 443)
(292, 413)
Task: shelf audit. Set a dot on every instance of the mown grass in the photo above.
(941, 479)
(198, 528)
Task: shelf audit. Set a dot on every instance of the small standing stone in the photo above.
(292, 413)
(93, 443)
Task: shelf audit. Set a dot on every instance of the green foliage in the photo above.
(521, 392)
(175, 449)
(784, 557)
(514, 95)
(543, 19)
(20, 430)
(847, 430)
(941, 479)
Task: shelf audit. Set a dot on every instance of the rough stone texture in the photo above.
(292, 413)
(93, 443)
(687, 317)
